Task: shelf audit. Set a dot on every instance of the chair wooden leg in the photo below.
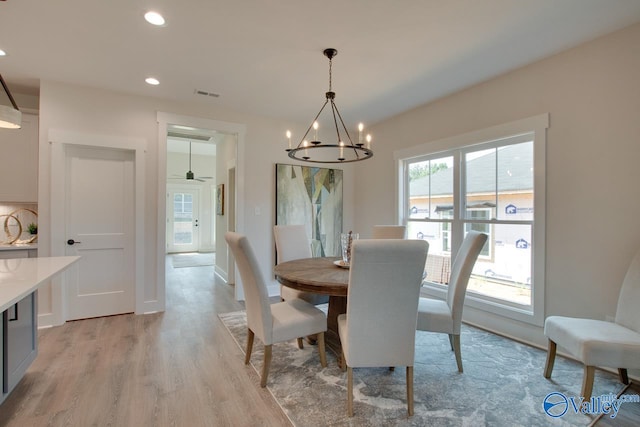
(622, 374)
(350, 391)
(265, 365)
(587, 381)
(410, 390)
(451, 342)
(300, 344)
(247, 355)
(456, 349)
(342, 362)
(321, 349)
(551, 357)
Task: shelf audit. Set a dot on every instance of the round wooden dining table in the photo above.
(321, 276)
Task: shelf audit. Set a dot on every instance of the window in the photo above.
(490, 181)
(182, 219)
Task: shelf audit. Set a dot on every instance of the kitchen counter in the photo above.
(22, 276)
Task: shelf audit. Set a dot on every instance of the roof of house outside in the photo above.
(514, 168)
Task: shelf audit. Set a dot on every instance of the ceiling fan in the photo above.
(190, 175)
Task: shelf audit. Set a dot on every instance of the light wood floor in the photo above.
(177, 368)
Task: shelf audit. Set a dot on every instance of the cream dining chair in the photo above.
(379, 327)
(389, 232)
(292, 243)
(600, 343)
(272, 323)
(446, 316)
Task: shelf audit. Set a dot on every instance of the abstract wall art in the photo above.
(311, 196)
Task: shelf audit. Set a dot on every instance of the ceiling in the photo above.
(264, 57)
(185, 139)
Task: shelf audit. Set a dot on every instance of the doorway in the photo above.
(226, 139)
(183, 217)
(97, 194)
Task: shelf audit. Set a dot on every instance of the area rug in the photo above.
(193, 259)
(502, 384)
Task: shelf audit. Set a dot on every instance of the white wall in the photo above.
(95, 111)
(593, 97)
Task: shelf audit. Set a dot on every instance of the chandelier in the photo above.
(311, 149)
(10, 116)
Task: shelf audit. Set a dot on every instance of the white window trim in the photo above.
(536, 124)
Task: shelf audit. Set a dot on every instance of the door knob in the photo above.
(72, 242)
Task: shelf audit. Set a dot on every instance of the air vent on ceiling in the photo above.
(205, 93)
(173, 134)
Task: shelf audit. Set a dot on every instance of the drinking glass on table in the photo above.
(346, 239)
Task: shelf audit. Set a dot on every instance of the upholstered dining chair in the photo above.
(600, 343)
(292, 243)
(379, 327)
(389, 232)
(272, 323)
(445, 316)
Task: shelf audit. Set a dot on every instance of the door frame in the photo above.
(165, 119)
(59, 139)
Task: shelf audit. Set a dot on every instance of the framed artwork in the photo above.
(220, 199)
(311, 196)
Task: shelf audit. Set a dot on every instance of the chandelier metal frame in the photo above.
(346, 151)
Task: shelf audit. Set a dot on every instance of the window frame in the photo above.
(537, 127)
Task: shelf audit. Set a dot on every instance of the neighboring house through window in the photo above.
(491, 181)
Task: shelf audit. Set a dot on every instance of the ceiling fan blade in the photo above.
(205, 177)
(201, 180)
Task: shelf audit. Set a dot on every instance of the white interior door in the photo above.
(100, 226)
(183, 228)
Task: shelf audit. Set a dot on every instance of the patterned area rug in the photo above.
(502, 384)
(193, 259)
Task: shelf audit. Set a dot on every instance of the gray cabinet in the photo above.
(19, 341)
(2, 394)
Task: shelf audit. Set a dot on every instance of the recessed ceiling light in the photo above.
(154, 18)
(3, 53)
(152, 81)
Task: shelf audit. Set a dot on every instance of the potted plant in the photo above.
(33, 228)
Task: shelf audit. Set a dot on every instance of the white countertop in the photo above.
(20, 277)
(19, 247)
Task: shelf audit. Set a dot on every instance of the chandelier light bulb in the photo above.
(289, 138)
